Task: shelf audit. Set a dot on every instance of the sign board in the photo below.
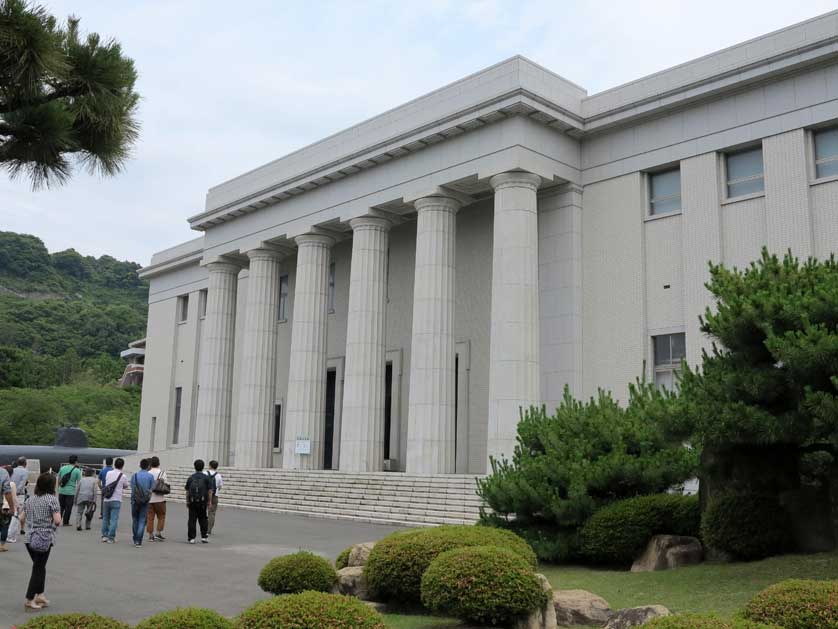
(302, 446)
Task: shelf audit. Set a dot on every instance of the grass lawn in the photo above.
(708, 587)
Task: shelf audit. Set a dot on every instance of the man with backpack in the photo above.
(141, 484)
(115, 484)
(68, 477)
(102, 473)
(199, 490)
(157, 504)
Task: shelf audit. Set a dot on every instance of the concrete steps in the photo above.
(383, 497)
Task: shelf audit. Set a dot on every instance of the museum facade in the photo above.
(390, 297)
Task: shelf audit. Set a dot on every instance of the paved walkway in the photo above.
(84, 575)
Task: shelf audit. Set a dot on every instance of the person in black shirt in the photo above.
(199, 491)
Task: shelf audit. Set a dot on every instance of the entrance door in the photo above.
(329, 436)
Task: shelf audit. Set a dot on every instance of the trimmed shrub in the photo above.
(482, 584)
(298, 572)
(746, 525)
(186, 618)
(796, 604)
(618, 533)
(703, 621)
(343, 559)
(396, 564)
(310, 610)
(74, 621)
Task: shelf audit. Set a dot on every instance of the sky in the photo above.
(226, 87)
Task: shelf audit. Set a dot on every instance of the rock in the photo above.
(544, 618)
(381, 608)
(669, 551)
(636, 616)
(351, 581)
(580, 607)
(359, 554)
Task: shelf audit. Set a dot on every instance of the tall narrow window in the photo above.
(331, 300)
(153, 433)
(277, 426)
(202, 303)
(182, 308)
(388, 411)
(283, 298)
(665, 192)
(176, 426)
(744, 172)
(670, 350)
(826, 153)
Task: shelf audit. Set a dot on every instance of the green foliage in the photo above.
(64, 97)
(797, 604)
(297, 572)
(703, 621)
(482, 584)
(343, 559)
(74, 621)
(746, 525)
(584, 456)
(396, 564)
(310, 610)
(186, 618)
(618, 533)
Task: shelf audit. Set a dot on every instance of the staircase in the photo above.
(381, 497)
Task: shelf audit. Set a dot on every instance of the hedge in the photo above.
(310, 610)
(343, 559)
(73, 621)
(396, 564)
(618, 533)
(796, 604)
(746, 525)
(703, 621)
(298, 572)
(482, 584)
(186, 618)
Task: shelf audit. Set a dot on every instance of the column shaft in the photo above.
(362, 421)
(514, 373)
(305, 417)
(212, 433)
(430, 427)
(257, 388)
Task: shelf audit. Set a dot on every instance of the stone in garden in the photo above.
(359, 554)
(544, 618)
(636, 616)
(580, 607)
(381, 608)
(351, 581)
(669, 551)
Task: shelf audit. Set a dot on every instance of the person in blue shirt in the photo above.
(104, 472)
(141, 484)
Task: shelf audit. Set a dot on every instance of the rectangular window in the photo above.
(176, 428)
(744, 172)
(331, 287)
(202, 304)
(182, 308)
(826, 153)
(665, 192)
(277, 426)
(670, 350)
(283, 298)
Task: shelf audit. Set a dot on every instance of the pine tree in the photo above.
(64, 98)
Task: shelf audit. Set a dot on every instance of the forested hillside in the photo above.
(64, 318)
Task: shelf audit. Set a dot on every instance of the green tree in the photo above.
(63, 97)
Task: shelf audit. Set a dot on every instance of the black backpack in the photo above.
(107, 492)
(66, 478)
(198, 488)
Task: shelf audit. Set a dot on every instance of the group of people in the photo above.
(42, 513)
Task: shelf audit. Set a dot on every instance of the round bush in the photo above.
(618, 533)
(703, 621)
(396, 564)
(310, 610)
(482, 584)
(343, 559)
(186, 618)
(796, 604)
(745, 525)
(74, 621)
(295, 573)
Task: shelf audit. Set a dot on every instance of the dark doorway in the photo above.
(456, 402)
(329, 436)
(388, 399)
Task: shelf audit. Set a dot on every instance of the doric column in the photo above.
(430, 427)
(257, 383)
(362, 421)
(212, 433)
(305, 417)
(514, 374)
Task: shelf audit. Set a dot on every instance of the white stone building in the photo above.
(388, 297)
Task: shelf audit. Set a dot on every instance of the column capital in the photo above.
(314, 239)
(370, 222)
(266, 253)
(515, 179)
(223, 266)
(439, 203)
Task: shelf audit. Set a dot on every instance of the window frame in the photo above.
(727, 181)
(203, 296)
(276, 438)
(182, 313)
(282, 302)
(670, 367)
(650, 200)
(814, 153)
